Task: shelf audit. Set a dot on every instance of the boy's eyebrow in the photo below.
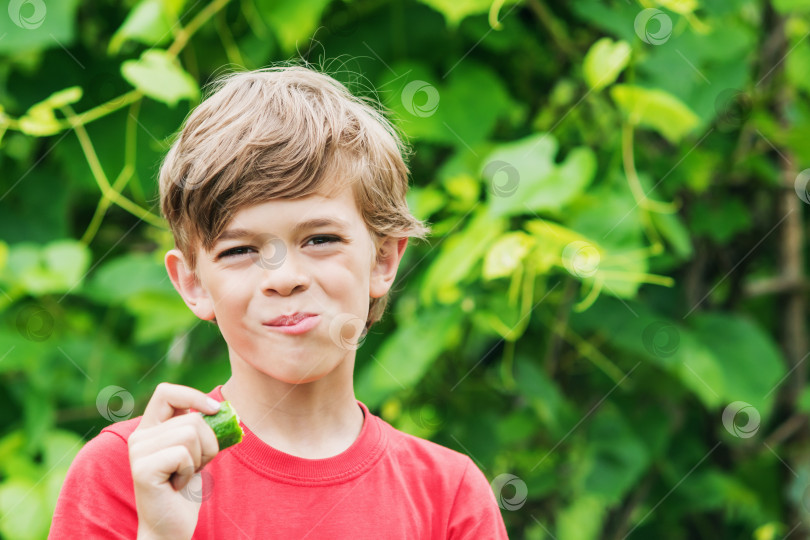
(232, 234)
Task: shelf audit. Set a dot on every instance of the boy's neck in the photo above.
(297, 419)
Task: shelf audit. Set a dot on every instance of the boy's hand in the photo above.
(166, 449)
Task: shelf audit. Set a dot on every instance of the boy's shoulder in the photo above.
(124, 428)
(404, 446)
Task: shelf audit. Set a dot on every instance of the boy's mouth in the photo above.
(289, 320)
(295, 324)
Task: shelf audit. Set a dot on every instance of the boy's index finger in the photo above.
(170, 400)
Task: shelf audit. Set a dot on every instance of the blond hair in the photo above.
(284, 132)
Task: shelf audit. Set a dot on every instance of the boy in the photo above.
(286, 198)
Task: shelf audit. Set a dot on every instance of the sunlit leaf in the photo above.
(454, 10)
(22, 505)
(294, 21)
(160, 77)
(29, 26)
(655, 109)
(523, 176)
(420, 341)
(506, 254)
(604, 61)
(151, 22)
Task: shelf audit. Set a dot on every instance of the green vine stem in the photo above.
(228, 42)
(101, 178)
(507, 365)
(184, 34)
(123, 177)
(586, 349)
(628, 160)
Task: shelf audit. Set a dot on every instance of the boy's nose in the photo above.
(281, 275)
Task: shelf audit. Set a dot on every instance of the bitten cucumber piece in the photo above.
(225, 424)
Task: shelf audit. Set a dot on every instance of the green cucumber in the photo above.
(225, 424)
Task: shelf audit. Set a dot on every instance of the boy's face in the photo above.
(278, 269)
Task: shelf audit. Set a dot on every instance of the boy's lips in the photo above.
(306, 322)
(289, 320)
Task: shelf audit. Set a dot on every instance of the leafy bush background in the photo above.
(617, 199)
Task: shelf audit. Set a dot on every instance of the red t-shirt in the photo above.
(387, 484)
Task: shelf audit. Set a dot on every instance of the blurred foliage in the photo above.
(596, 174)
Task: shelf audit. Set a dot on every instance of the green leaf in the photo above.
(524, 177)
(459, 253)
(791, 6)
(67, 258)
(604, 61)
(504, 256)
(751, 363)
(616, 457)
(420, 342)
(609, 222)
(59, 447)
(542, 393)
(159, 315)
(64, 97)
(719, 220)
(803, 403)
(127, 276)
(683, 7)
(422, 202)
(160, 77)
(293, 21)
(37, 25)
(582, 519)
(56, 267)
(656, 109)
(427, 109)
(454, 10)
(150, 22)
(22, 505)
(796, 64)
(634, 328)
(40, 121)
(675, 232)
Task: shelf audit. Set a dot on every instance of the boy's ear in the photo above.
(194, 294)
(386, 265)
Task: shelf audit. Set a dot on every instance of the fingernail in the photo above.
(213, 404)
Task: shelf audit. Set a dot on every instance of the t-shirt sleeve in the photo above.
(97, 499)
(475, 512)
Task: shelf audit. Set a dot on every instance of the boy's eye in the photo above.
(238, 250)
(232, 251)
(328, 239)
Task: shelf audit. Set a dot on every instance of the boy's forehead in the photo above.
(341, 205)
